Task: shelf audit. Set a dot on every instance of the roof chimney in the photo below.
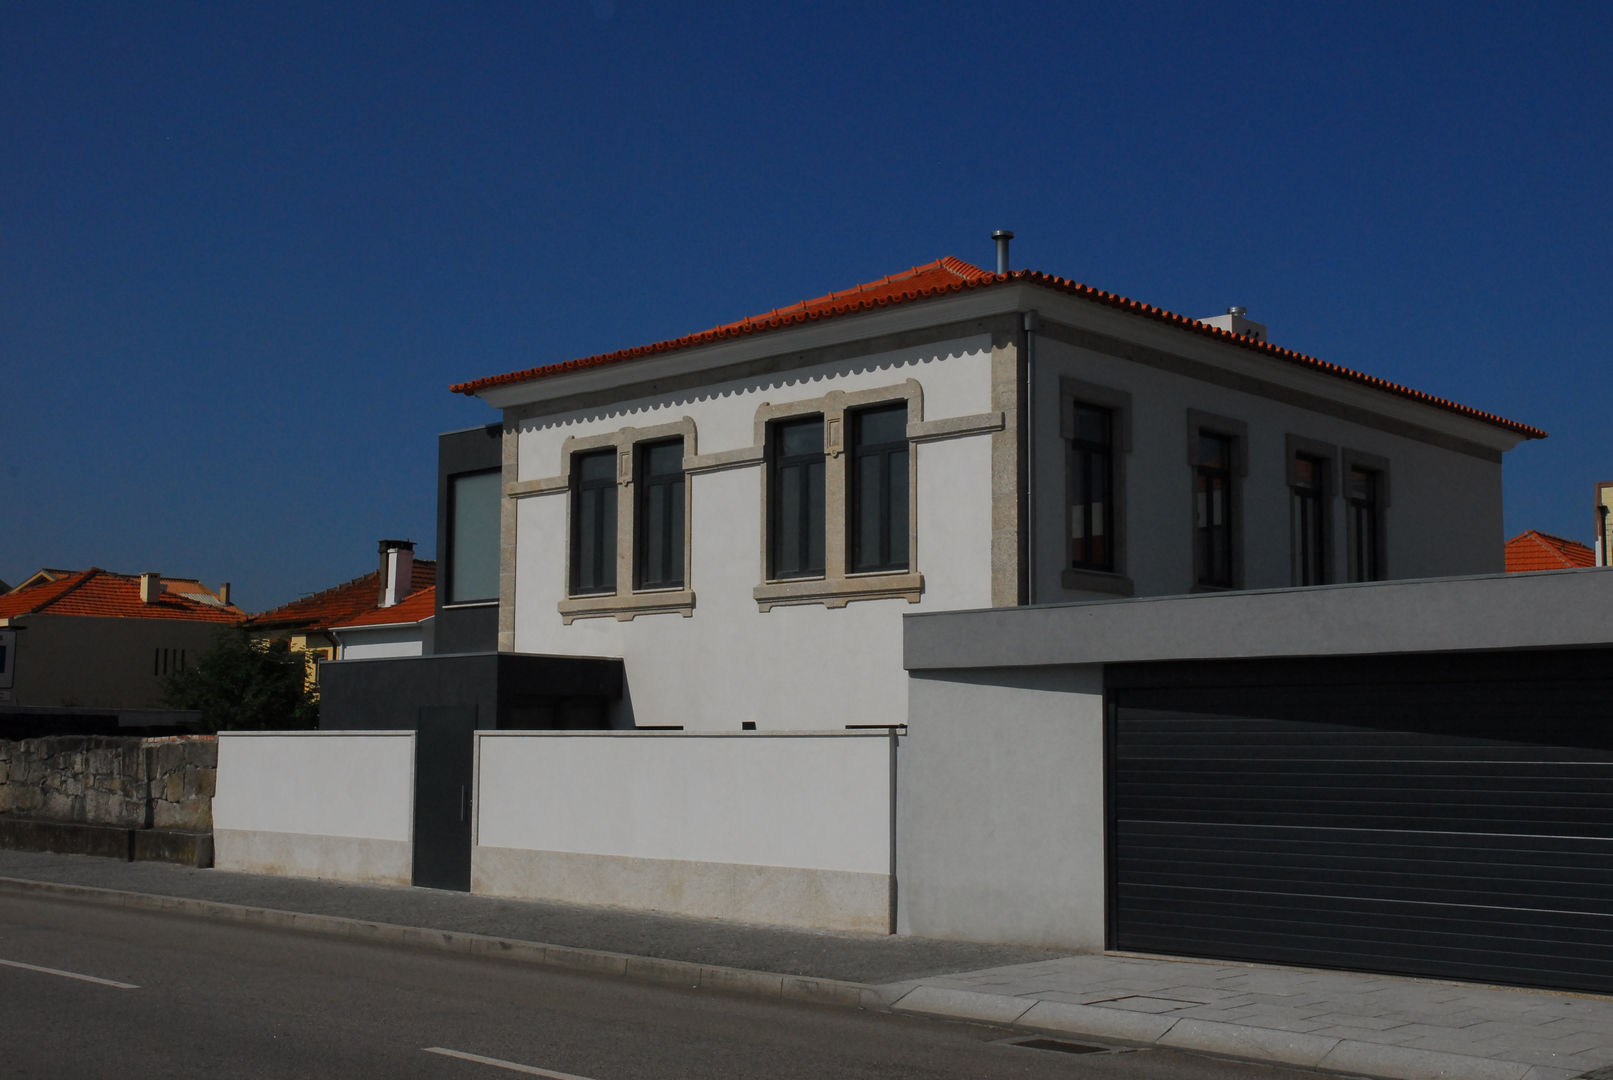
(1002, 236)
(224, 594)
(150, 587)
(397, 571)
(1236, 321)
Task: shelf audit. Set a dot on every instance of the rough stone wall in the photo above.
(129, 782)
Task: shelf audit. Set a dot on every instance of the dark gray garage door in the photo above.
(1448, 816)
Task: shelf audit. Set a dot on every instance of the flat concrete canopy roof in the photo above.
(1549, 609)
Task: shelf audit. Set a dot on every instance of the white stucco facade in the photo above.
(288, 803)
(987, 376)
(730, 661)
(787, 829)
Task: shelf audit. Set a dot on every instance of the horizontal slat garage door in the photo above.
(1449, 817)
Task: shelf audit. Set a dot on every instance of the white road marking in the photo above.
(69, 975)
(512, 1066)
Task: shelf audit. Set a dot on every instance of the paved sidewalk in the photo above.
(1348, 1023)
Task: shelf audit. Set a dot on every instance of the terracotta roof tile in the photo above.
(411, 609)
(338, 604)
(1535, 550)
(98, 593)
(951, 275)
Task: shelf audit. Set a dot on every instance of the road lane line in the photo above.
(68, 975)
(512, 1066)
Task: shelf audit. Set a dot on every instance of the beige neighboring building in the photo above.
(95, 645)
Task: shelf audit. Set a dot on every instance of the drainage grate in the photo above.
(1061, 1046)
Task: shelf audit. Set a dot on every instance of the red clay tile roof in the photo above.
(411, 609)
(950, 275)
(1534, 550)
(340, 603)
(98, 593)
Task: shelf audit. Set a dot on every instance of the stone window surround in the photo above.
(837, 588)
(1294, 447)
(627, 602)
(1379, 465)
(1204, 423)
(832, 593)
(1118, 402)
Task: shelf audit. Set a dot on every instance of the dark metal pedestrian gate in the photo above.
(1440, 816)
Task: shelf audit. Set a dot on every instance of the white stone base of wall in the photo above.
(338, 858)
(777, 895)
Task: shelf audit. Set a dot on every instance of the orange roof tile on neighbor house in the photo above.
(416, 607)
(950, 275)
(98, 593)
(340, 603)
(1535, 550)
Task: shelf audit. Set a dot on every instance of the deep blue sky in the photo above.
(244, 249)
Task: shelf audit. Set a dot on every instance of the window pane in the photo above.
(787, 509)
(801, 437)
(882, 426)
(1092, 424)
(878, 497)
(597, 467)
(593, 537)
(812, 544)
(897, 556)
(473, 537)
(1215, 452)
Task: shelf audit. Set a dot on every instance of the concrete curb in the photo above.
(1240, 1041)
(652, 969)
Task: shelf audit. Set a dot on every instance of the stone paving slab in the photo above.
(1409, 1029)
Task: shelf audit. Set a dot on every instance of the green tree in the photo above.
(245, 685)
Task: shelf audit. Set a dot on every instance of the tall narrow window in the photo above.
(659, 513)
(1361, 495)
(1212, 512)
(796, 504)
(1092, 467)
(1307, 519)
(473, 537)
(879, 489)
(593, 523)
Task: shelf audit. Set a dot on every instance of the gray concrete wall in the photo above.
(999, 808)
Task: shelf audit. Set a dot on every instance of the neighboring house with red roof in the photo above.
(307, 622)
(738, 511)
(1535, 550)
(100, 642)
(400, 629)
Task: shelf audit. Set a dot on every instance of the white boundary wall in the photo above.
(784, 828)
(328, 804)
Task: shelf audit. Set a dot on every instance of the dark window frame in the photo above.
(811, 515)
(1217, 568)
(594, 497)
(1310, 510)
(1365, 515)
(891, 460)
(1092, 487)
(666, 487)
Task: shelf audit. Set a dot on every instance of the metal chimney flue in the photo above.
(1002, 236)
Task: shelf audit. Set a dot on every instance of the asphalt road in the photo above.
(89, 991)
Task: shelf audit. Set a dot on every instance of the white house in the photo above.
(743, 515)
(1058, 618)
